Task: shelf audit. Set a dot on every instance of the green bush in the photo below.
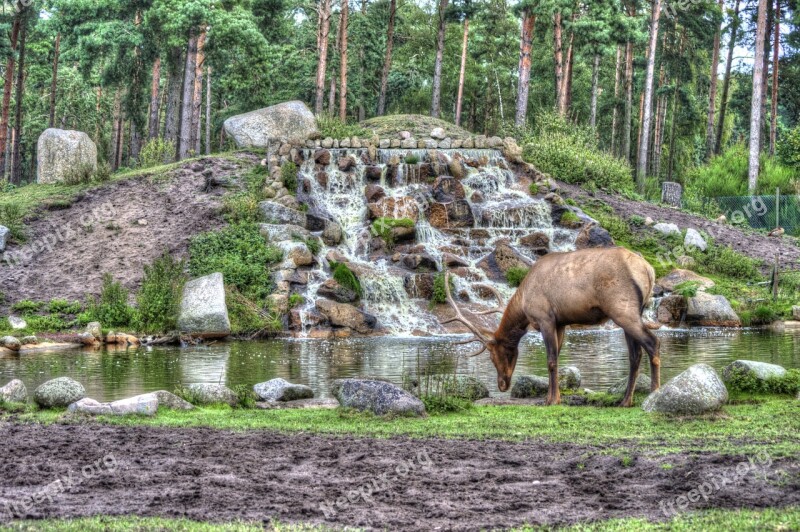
(295, 300)
(345, 277)
(289, 177)
(439, 296)
(79, 174)
(241, 254)
(159, 298)
(111, 309)
(103, 172)
(741, 380)
(26, 307)
(11, 216)
(445, 404)
(245, 396)
(515, 275)
(723, 260)
(333, 127)
(47, 323)
(312, 243)
(687, 288)
(382, 227)
(788, 148)
(248, 318)
(62, 306)
(411, 159)
(156, 152)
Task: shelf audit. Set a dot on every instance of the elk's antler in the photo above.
(501, 302)
(459, 317)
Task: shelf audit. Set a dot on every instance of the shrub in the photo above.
(312, 243)
(156, 152)
(103, 172)
(79, 174)
(763, 315)
(289, 177)
(48, 323)
(439, 296)
(111, 309)
(741, 380)
(687, 288)
(12, 217)
(295, 300)
(245, 396)
(382, 227)
(411, 159)
(345, 277)
(333, 127)
(445, 404)
(26, 306)
(636, 220)
(159, 298)
(515, 275)
(248, 318)
(241, 254)
(62, 306)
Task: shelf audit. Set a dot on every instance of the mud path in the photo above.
(211, 475)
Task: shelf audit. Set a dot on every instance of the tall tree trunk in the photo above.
(726, 83)
(595, 74)
(114, 153)
(208, 111)
(641, 163)
(661, 112)
(776, 48)
(197, 100)
(558, 57)
(755, 110)
(135, 143)
(185, 131)
(614, 116)
(566, 83)
(765, 78)
(674, 118)
(525, 45)
(155, 98)
(97, 117)
(175, 83)
(387, 62)
(343, 60)
(436, 99)
(54, 82)
(462, 72)
(16, 157)
(627, 128)
(322, 62)
(712, 89)
(8, 85)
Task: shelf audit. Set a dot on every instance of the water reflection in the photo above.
(600, 354)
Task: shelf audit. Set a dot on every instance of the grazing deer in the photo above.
(585, 287)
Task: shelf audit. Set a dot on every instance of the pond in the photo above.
(600, 354)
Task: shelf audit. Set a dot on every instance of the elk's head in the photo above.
(502, 353)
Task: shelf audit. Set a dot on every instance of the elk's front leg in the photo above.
(552, 342)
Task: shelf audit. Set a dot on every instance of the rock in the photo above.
(505, 257)
(59, 393)
(642, 385)
(594, 236)
(466, 387)
(290, 120)
(454, 261)
(796, 312)
(706, 310)
(569, 378)
(447, 189)
(404, 135)
(332, 235)
(171, 401)
(419, 285)
(87, 338)
(671, 309)
(29, 340)
(203, 310)
(210, 394)
(141, 405)
(511, 150)
(344, 315)
(760, 371)
(14, 392)
(452, 215)
(677, 276)
(281, 390)
(379, 397)
(346, 163)
(536, 241)
(9, 342)
(95, 330)
(695, 391)
(323, 157)
(283, 233)
(477, 197)
(694, 240)
(17, 323)
(526, 387)
(667, 229)
(331, 289)
(90, 407)
(438, 133)
(397, 208)
(373, 173)
(296, 254)
(4, 234)
(60, 153)
(649, 221)
(409, 143)
(275, 213)
(374, 193)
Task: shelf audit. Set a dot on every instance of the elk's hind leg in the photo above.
(634, 358)
(553, 337)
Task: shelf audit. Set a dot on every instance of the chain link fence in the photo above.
(762, 212)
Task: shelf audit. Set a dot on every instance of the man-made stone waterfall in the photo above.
(398, 218)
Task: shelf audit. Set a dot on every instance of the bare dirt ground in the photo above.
(210, 475)
(753, 245)
(117, 228)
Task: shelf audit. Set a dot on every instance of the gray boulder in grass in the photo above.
(60, 152)
(171, 401)
(203, 310)
(14, 392)
(211, 394)
(695, 391)
(761, 371)
(529, 386)
(4, 233)
(289, 120)
(379, 397)
(59, 393)
(642, 385)
(282, 390)
(141, 405)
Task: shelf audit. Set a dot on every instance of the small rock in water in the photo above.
(14, 392)
(569, 378)
(59, 393)
(695, 391)
(282, 390)
(29, 340)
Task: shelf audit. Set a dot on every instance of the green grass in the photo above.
(346, 277)
(771, 425)
(104, 523)
(516, 274)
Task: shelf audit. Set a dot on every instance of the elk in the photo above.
(585, 287)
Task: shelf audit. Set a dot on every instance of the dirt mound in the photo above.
(420, 126)
(394, 484)
(117, 228)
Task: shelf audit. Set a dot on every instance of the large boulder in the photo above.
(141, 405)
(59, 393)
(331, 289)
(14, 392)
(379, 397)
(290, 120)
(4, 234)
(60, 152)
(275, 213)
(203, 310)
(282, 390)
(283, 233)
(10, 342)
(528, 386)
(671, 309)
(740, 370)
(212, 394)
(706, 310)
(503, 258)
(678, 276)
(695, 391)
(344, 315)
(296, 254)
(593, 236)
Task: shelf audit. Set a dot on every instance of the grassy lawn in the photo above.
(709, 521)
(772, 425)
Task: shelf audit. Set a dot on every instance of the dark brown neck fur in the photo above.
(514, 324)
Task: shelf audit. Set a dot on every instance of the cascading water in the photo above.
(502, 213)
